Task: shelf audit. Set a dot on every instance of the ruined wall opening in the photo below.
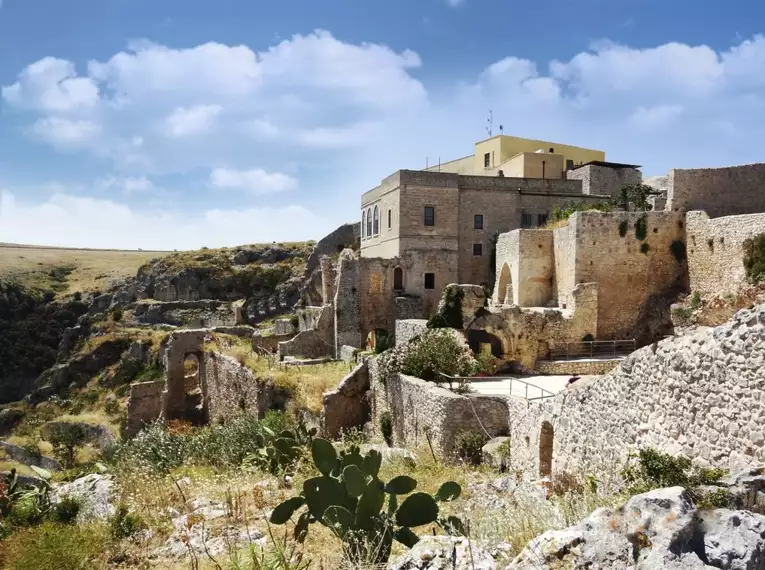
(505, 287)
(481, 341)
(194, 411)
(546, 436)
(398, 279)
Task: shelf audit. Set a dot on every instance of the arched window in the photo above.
(369, 222)
(398, 279)
(376, 229)
(363, 224)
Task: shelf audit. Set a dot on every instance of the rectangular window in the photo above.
(569, 164)
(542, 219)
(389, 219)
(430, 281)
(477, 249)
(478, 222)
(527, 220)
(487, 160)
(430, 216)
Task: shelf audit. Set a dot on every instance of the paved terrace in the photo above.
(530, 387)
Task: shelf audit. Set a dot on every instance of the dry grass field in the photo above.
(69, 270)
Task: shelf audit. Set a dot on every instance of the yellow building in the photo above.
(512, 156)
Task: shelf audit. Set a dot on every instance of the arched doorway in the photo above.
(546, 436)
(505, 287)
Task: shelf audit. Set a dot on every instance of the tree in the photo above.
(66, 438)
(636, 195)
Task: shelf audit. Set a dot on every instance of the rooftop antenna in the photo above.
(490, 122)
(501, 130)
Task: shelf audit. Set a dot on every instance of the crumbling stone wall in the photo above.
(176, 403)
(716, 253)
(347, 302)
(144, 405)
(233, 389)
(700, 395)
(579, 367)
(417, 407)
(407, 329)
(306, 344)
(718, 191)
(346, 406)
(346, 236)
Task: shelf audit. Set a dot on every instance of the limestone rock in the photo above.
(23, 455)
(444, 553)
(495, 453)
(734, 540)
(9, 418)
(391, 454)
(95, 493)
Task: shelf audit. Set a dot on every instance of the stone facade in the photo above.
(407, 329)
(347, 302)
(715, 251)
(718, 191)
(346, 407)
(144, 405)
(417, 407)
(583, 367)
(605, 180)
(232, 389)
(700, 395)
(307, 344)
(541, 268)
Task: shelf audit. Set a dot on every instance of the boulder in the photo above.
(94, 492)
(27, 457)
(660, 529)
(9, 419)
(391, 454)
(495, 453)
(444, 553)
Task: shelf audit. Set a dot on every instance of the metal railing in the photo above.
(593, 349)
(526, 385)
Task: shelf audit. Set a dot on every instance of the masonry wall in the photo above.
(701, 395)
(306, 344)
(407, 329)
(417, 406)
(564, 251)
(718, 191)
(346, 236)
(144, 405)
(627, 276)
(232, 389)
(604, 180)
(347, 407)
(536, 269)
(347, 302)
(580, 367)
(716, 253)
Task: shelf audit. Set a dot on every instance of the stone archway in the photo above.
(546, 437)
(184, 395)
(505, 287)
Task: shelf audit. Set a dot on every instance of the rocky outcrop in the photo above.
(27, 457)
(444, 553)
(656, 530)
(193, 314)
(95, 494)
(9, 419)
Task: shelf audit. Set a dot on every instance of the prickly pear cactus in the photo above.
(349, 498)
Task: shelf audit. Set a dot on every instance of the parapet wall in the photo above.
(418, 407)
(716, 252)
(718, 191)
(699, 395)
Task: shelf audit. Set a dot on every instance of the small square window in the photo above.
(569, 164)
(430, 281)
(430, 216)
(477, 249)
(478, 222)
(389, 217)
(487, 160)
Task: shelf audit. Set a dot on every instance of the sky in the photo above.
(169, 124)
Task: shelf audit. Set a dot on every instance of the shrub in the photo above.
(295, 321)
(641, 229)
(65, 511)
(644, 248)
(717, 499)
(449, 313)
(624, 225)
(124, 524)
(588, 338)
(154, 449)
(468, 446)
(54, 546)
(682, 314)
(66, 438)
(112, 406)
(116, 314)
(677, 248)
(655, 469)
(754, 258)
(566, 211)
(695, 301)
(386, 427)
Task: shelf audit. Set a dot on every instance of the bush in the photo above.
(386, 427)
(677, 248)
(641, 229)
(66, 511)
(468, 446)
(124, 524)
(66, 438)
(624, 225)
(754, 258)
(655, 469)
(449, 314)
(566, 211)
(54, 546)
(154, 449)
(644, 247)
(116, 314)
(695, 301)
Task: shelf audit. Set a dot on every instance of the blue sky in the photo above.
(169, 124)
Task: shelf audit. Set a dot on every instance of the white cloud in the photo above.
(254, 181)
(66, 134)
(126, 184)
(655, 117)
(77, 221)
(192, 121)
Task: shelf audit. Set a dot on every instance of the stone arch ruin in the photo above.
(184, 396)
(505, 287)
(546, 437)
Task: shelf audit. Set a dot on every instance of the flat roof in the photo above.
(607, 164)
